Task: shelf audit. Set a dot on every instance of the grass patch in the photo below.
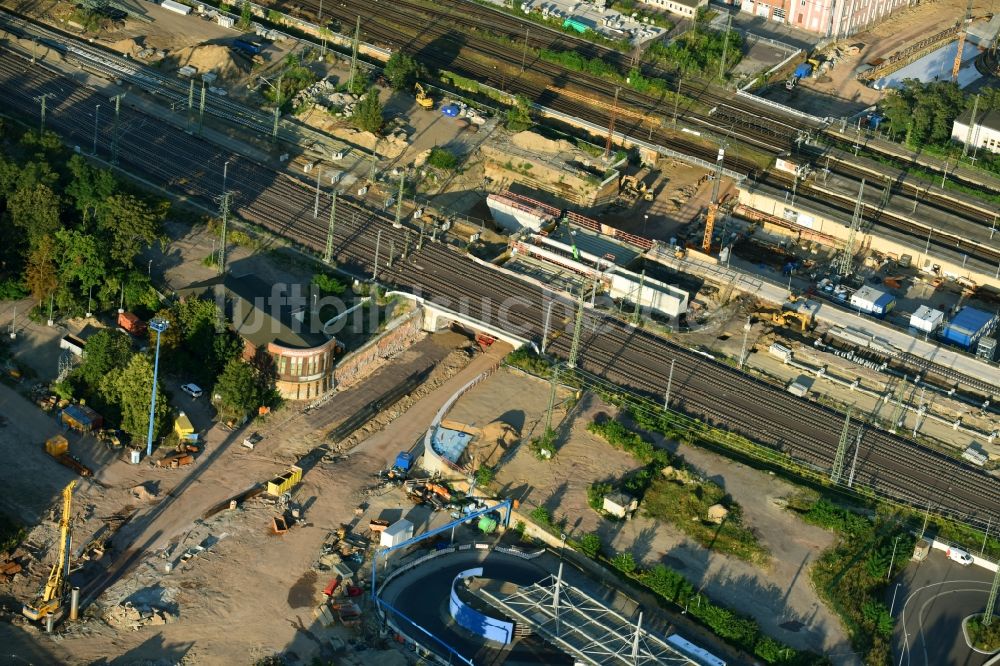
(442, 158)
(530, 362)
(544, 447)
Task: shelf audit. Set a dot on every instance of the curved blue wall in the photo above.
(468, 618)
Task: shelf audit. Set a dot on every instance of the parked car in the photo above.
(192, 390)
(252, 440)
(960, 556)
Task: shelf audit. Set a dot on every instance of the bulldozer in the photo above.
(423, 99)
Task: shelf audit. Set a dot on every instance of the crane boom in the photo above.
(50, 600)
(962, 31)
(713, 205)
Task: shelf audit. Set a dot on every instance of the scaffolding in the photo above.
(584, 627)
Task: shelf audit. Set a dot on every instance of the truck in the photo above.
(802, 71)
(58, 448)
(131, 324)
(401, 467)
(81, 418)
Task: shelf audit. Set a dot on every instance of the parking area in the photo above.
(932, 599)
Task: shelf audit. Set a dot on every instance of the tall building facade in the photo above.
(834, 19)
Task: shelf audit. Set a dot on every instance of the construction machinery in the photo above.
(423, 99)
(51, 598)
(713, 204)
(787, 317)
(962, 32)
(58, 448)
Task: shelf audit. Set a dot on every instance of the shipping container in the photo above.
(176, 7)
(926, 319)
(131, 324)
(967, 327)
(247, 46)
(73, 344)
(397, 533)
(875, 302)
(81, 417)
(987, 349)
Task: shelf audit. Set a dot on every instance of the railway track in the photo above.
(186, 165)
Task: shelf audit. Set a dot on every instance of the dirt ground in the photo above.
(249, 594)
(843, 94)
(780, 597)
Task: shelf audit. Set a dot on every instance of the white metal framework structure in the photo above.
(582, 626)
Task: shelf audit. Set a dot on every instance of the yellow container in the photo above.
(56, 446)
(182, 426)
(280, 485)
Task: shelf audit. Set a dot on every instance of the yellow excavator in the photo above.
(423, 99)
(51, 598)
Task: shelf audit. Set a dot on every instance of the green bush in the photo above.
(442, 158)
(590, 545)
(595, 495)
(485, 476)
(984, 637)
(12, 289)
(525, 359)
(327, 284)
(620, 437)
(624, 562)
(541, 515)
(544, 447)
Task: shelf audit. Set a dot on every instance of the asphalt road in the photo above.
(422, 595)
(934, 597)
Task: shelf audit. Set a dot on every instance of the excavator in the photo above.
(51, 598)
(423, 99)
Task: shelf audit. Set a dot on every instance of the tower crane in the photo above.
(713, 205)
(51, 598)
(962, 32)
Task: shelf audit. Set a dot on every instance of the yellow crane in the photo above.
(51, 598)
(713, 204)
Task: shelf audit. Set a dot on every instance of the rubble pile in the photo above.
(129, 616)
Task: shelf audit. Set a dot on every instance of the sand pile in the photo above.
(208, 58)
(488, 448)
(128, 46)
(143, 493)
(537, 143)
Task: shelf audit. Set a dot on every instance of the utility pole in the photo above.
(638, 298)
(277, 108)
(677, 98)
(553, 386)
(319, 176)
(670, 381)
(545, 326)
(743, 351)
(378, 245)
(224, 213)
(190, 103)
(854, 462)
(328, 255)
(41, 125)
(725, 47)
(97, 115)
(847, 259)
(114, 140)
(991, 602)
(392, 251)
(201, 109)
(838, 461)
(972, 124)
(158, 325)
(524, 52)
(354, 55)
(611, 125)
(574, 350)
(398, 222)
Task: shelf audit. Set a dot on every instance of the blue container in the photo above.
(450, 110)
(968, 326)
(803, 70)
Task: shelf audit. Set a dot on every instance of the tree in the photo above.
(170, 339)
(80, 261)
(129, 225)
(40, 274)
(246, 16)
(106, 350)
(130, 389)
(88, 187)
(35, 209)
(401, 71)
(237, 389)
(519, 115)
(367, 115)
